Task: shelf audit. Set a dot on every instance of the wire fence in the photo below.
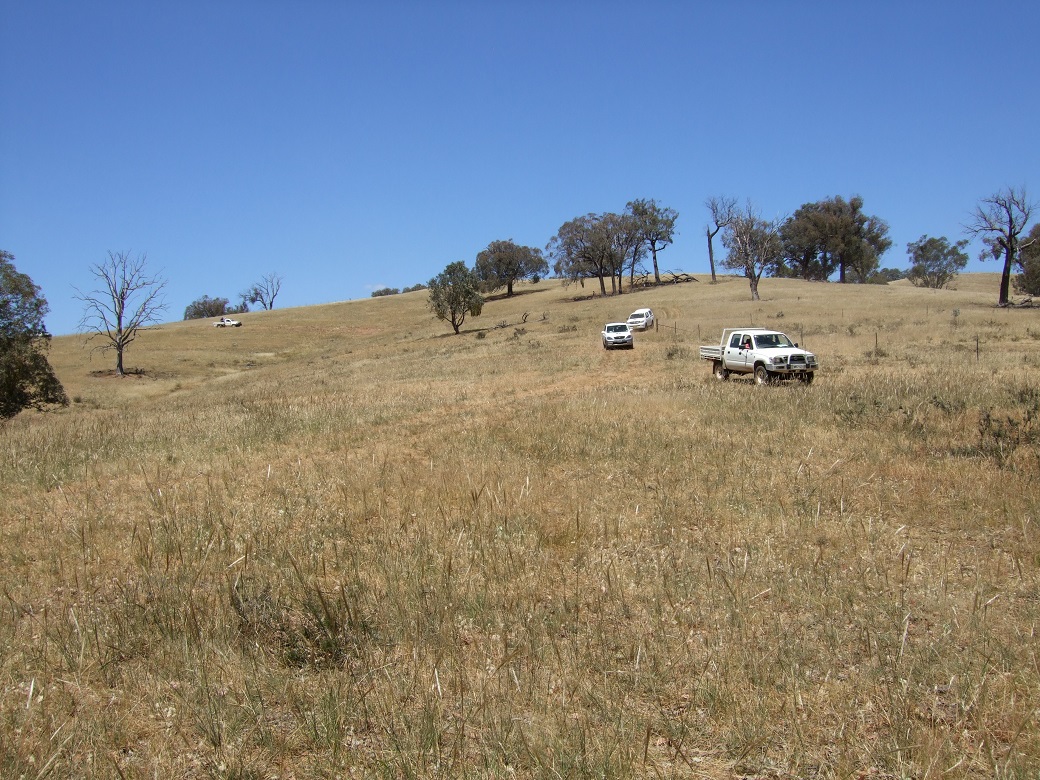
(675, 329)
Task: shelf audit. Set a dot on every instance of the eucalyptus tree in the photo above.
(833, 236)
(1028, 281)
(586, 248)
(1000, 220)
(205, 306)
(627, 240)
(503, 263)
(865, 241)
(27, 380)
(656, 227)
(935, 262)
(455, 294)
(808, 251)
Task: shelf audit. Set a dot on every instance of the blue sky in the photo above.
(349, 146)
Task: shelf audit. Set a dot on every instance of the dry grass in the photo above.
(339, 541)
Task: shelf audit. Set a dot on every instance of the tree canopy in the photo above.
(655, 226)
(205, 306)
(592, 247)
(27, 380)
(833, 236)
(935, 262)
(628, 241)
(807, 248)
(503, 263)
(1028, 281)
(455, 293)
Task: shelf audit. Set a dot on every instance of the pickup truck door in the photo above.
(736, 358)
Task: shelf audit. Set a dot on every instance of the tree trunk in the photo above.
(754, 288)
(711, 255)
(1005, 279)
(603, 285)
(657, 273)
(119, 361)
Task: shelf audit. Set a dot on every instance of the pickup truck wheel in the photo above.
(807, 377)
(604, 344)
(719, 371)
(762, 376)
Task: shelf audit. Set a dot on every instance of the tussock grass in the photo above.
(338, 542)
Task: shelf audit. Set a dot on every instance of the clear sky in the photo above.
(350, 146)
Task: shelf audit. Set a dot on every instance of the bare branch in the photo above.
(723, 210)
(264, 292)
(754, 245)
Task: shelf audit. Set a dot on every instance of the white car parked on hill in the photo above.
(641, 319)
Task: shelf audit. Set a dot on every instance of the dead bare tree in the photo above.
(129, 299)
(754, 245)
(723, 210)
(1000, 220)
(264, 291)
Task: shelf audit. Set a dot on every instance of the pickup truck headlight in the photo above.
(779, 360)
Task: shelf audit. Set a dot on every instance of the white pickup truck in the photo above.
(227, 322)
(768, 354)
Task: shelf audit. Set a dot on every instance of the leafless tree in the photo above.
(723, 209)
(754, 245)
(264, 291)
(1000, 220)
(129, 298)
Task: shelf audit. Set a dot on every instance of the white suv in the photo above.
(641, 319)
(617, 334)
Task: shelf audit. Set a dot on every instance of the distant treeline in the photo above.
(394, 291)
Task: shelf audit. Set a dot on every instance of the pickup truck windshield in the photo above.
(773, 341)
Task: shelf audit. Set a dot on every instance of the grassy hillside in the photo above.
(342, 541)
